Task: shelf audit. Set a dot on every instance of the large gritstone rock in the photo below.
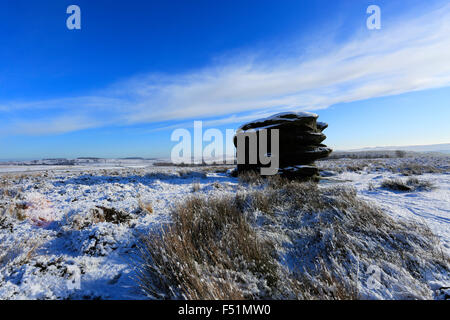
(300, 144)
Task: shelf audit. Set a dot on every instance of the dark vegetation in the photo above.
(411, 184)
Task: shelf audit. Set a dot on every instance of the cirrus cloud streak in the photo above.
(405, 56)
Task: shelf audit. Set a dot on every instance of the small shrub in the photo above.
(16, 210)
(413, 168)
(412, 184)
(103, 214)
(418, 184)
(395, 185)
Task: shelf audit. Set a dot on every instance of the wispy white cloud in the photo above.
(406, 55)
(56, 125)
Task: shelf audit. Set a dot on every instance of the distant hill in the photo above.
(441, 148)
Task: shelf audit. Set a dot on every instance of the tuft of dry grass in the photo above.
(103, 214)
(411, 184)
(262, 202)
(16, 210)
(196, 187)
(406, 166)
(323, 285)
(112, 215)
(201, 255)
(11, 199)
(146, 206)
(250, 177)
(99, 214)
(189, 173)
(412, 168)
(19, 253)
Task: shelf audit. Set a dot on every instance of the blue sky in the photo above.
(139, 69)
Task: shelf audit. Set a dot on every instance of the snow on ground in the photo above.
(43, 254)
(429, 207)
(101, 251)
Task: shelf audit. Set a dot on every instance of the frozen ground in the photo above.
(63, 165)
(53, 236)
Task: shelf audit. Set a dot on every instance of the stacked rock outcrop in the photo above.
(300, 144)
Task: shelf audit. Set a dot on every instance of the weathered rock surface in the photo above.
(300, 143)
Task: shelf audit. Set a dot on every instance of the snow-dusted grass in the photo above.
(91, 219)
(403, 166)
(146, 206)
(209, 252)
(326, 240)
(411, 184)
(19, 252)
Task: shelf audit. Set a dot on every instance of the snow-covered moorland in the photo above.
(74, 232)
